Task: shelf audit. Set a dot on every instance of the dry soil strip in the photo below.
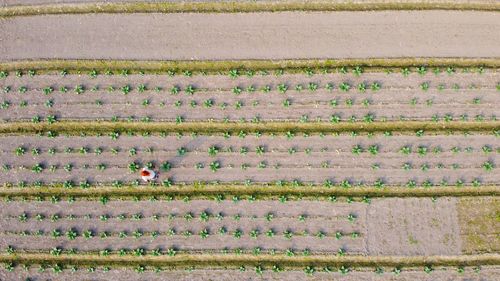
(219, 260)
(229, 36)
(76, 128)
(261, 192)
(235, 7)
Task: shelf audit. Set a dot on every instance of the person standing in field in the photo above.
(148, 175)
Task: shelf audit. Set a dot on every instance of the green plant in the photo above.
(214, 166)
(344, 86)
(37, 168)
(133, 167)
(357, 149)
(166, 166)
(373, 149)
(19, 151)
(488, 166)
(357, 71)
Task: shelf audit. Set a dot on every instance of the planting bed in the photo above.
(433, 94)
(330, 159)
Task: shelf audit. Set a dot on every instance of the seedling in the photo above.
(215, 166)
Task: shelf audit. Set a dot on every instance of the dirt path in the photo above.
(252, 36)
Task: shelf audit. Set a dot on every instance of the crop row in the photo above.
(282, 88)
(72, 234)
(259, 270)
(189, 216)
(260, 150)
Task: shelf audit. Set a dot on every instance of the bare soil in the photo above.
(398, 98)
(284, 35)
(415, 227)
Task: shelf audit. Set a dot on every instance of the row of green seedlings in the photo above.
(346, 183)
(190, 89)
(203, 216)
(215, 166)
(172, 251)
(214, 150)
(211, 103)
(223, 231)
(259, 269)
(235, 73)
(260, 150)
(218, 198)
(328, 183)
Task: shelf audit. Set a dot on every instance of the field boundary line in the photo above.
(236, 7)
(203, 127)
(260, 191)
(373, 64)
(232, 260)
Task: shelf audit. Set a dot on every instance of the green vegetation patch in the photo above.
(114, 129)
(479, 220)
(243, 66)
(239, 7)
(261, 192)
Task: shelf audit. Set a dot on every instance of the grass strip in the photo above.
(215, 67)
(238, 7)
(258, 191)
(265, 260)
(108, 127)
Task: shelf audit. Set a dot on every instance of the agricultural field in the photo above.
(276, 155)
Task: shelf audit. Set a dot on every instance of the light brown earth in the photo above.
(251, 36)
(392, 102)
(419, 226)
(281, 165)
(480, 224)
